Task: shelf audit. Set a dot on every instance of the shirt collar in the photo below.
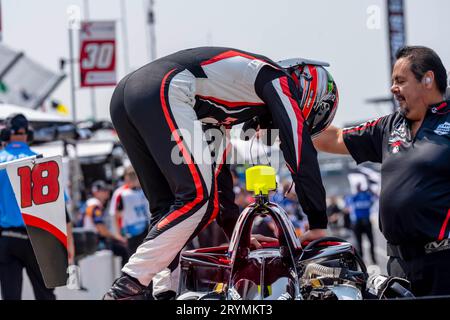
(17, 145)
(440, 108)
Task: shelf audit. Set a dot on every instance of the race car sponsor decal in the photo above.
(437, 246)
(399, 137)
(443, 129)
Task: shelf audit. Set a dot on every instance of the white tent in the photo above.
(24, 81)
(83, 149)
(32, 115)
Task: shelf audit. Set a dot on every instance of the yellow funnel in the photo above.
(260, 179)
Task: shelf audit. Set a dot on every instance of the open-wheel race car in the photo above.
(324, 269)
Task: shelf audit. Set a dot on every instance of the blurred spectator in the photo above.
(93, 219)
(334, 213)
(339, 218)
(287, 199)
(130, 210)
(362, 203)
(349, 212)
(242, 197)
(265, 226)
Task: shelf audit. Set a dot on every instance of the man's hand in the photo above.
(121, 239)
(312, 235)
(257, 238)
(70, 244)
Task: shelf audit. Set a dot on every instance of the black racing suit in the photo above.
(158, 112)
(415, 193)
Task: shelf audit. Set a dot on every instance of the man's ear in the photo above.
(428, 79)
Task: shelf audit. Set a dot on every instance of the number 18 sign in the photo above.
(34, 188)
(98, 53)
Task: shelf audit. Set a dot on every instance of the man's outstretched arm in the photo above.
(331, 140)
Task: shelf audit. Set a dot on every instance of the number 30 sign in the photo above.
(97, 53)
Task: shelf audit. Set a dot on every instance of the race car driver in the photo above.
(158, 112)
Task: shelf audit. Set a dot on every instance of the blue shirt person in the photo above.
(16, 252)
(10, 215)
(361, 204)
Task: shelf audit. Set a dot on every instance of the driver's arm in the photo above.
(281, 96)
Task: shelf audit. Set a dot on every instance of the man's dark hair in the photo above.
(424, 59)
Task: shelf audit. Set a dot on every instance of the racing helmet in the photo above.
(319, 97)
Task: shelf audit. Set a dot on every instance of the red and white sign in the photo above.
(98, 53)
(39, 195)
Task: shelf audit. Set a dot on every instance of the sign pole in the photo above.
(92, 89)
(73, 15)
(396, 32)
(123, 10)
(72, 77)
(1, 27)
(151, 30)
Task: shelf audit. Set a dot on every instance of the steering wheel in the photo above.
(314, 243)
